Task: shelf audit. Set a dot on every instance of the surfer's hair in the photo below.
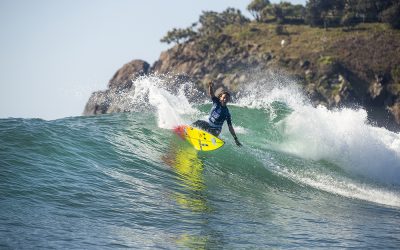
(224, 92)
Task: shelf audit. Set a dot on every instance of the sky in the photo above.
(54, 54)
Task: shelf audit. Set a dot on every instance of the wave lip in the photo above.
(345, 138)
(347, 188)
(341, 136)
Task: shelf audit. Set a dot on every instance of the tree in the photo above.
(351, 12)
(177, 35)
(367, 9)
(256, 7)
(299, 12)
(313, 13)
(274, 10)
(348, 20)
(290, 11)
(213, 22)
(322, 12)
(210, 22)
(233, 16)
(392, 16)
(382, 5)
(283, 12)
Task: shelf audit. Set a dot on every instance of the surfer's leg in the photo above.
(214, 131)
(201, 125)
(206, 127)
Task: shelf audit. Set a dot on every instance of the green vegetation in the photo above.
(210, 23)
(283, 13)
(391, 16)
(396, 74)
(316, 13)
(341, 51)
(178, 35)
(256, 7)
(322, 13)
(326, 60)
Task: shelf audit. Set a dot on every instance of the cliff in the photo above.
(336, 67)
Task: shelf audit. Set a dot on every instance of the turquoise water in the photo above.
(305, 178)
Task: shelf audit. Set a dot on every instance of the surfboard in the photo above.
(199, 139)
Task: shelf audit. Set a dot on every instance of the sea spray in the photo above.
(341, 136)
(165, 95)
(320, 138)
(327, 177)
(266, 88)
(346, 187)
(345, 138)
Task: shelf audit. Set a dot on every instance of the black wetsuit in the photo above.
(218, 115)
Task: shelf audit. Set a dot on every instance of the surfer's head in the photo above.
(224, 97)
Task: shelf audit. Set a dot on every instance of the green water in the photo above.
(121, 181)
(306, 177)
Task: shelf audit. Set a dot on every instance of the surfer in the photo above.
(218, 114)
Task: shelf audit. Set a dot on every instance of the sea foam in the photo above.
(345, 138)
(341, 136)
(168, 103)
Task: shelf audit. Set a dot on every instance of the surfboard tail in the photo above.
(180, 131)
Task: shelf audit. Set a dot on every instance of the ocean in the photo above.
(306, 177)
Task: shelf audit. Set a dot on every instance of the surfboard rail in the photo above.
(199, 139)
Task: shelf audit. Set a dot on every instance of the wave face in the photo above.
(305, 177)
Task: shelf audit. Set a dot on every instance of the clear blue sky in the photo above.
(55, 53)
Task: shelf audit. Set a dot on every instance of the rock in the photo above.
(342, 91)
(304, 64)
(267, 57)
(395, 111)
(220, 77)
(375, 89)
(98, 103)
(309, 74)
(181, 59)
(339, 75)
(377, 92)
(102, 102)
(242, 78)
(122, 79)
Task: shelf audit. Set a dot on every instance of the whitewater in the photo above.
(306, 177)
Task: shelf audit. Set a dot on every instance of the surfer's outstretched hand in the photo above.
(238, 142)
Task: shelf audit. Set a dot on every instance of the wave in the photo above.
(345, 138)
(272, 117)
(342, 136)
(129, 171)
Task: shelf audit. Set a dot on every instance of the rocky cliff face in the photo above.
(337, 69)
(122, 78)
(107, 101)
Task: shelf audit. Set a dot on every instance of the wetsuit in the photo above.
(218, 115)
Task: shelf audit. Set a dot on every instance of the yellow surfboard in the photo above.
(200, 139)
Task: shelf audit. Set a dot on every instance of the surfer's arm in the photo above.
(211, 89)
(232, 131)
